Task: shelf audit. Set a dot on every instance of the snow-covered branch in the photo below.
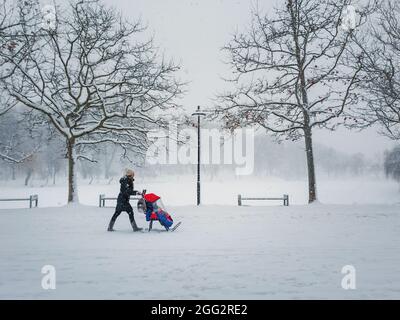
(379, 91)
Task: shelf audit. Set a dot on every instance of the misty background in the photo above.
(193, 33)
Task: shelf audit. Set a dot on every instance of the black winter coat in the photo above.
(126, 190)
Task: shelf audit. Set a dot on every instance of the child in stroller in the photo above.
(151, 205)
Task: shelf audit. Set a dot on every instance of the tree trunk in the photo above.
(54, 175)
(108, 163)
(292, 7)
(28, 176)
(312, 187)
(72, 190)
(13, 172)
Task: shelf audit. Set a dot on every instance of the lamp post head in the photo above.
(198, 112)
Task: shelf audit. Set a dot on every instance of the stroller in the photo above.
(152, 206)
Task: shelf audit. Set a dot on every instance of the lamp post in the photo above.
(198, 113)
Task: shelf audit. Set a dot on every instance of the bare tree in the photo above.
(379, 99)
(19, 20)
(290, 74)
(95, 80)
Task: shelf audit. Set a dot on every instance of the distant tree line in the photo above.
(392, 163)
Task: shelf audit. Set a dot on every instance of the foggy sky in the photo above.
(193, 32)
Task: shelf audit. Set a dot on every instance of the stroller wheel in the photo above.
(141, 205)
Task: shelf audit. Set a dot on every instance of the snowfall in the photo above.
(261, 250)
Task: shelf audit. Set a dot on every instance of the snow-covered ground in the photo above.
(220, 251)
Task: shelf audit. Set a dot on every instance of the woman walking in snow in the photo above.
(126, 190)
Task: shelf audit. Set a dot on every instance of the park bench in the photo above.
(284, 198)
(103, 198)
(33, 200)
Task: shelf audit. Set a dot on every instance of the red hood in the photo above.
(151, 197)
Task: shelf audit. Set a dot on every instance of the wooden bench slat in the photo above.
(103, 198)
(285, 199)
(263, 198)
(32, 199)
